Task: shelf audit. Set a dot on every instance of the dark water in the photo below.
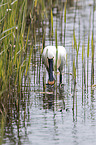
(50, 116)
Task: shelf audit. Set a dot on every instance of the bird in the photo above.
(49, 60)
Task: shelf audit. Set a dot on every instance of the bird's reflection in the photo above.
(48, 98)
(70, 2)
(52, 97)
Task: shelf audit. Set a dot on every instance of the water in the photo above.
(46, 116)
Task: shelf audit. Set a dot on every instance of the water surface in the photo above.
(52, 117)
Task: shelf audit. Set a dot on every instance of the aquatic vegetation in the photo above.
(13, 53)
(14, 58)
(65, 22)
(26, 27)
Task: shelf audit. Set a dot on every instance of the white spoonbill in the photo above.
(49, 60)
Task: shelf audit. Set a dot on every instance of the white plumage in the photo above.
(49, 59)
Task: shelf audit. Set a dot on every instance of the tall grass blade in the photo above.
(65, 21)
(52, 22)
(35, 3)
(92, 66)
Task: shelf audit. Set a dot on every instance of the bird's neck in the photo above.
(50, 61)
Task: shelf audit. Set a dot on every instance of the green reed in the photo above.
(51, 23)
(92, 66)
(88, 48)
(65, 21)
(82, 69)
(92, 48)
(56, 60)
(75, 57)
(55, 43)
(2, 124)
(14, 60)
(74, 70)
(75, 49)
(56, 53)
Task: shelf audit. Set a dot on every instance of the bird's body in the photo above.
(49, 60)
